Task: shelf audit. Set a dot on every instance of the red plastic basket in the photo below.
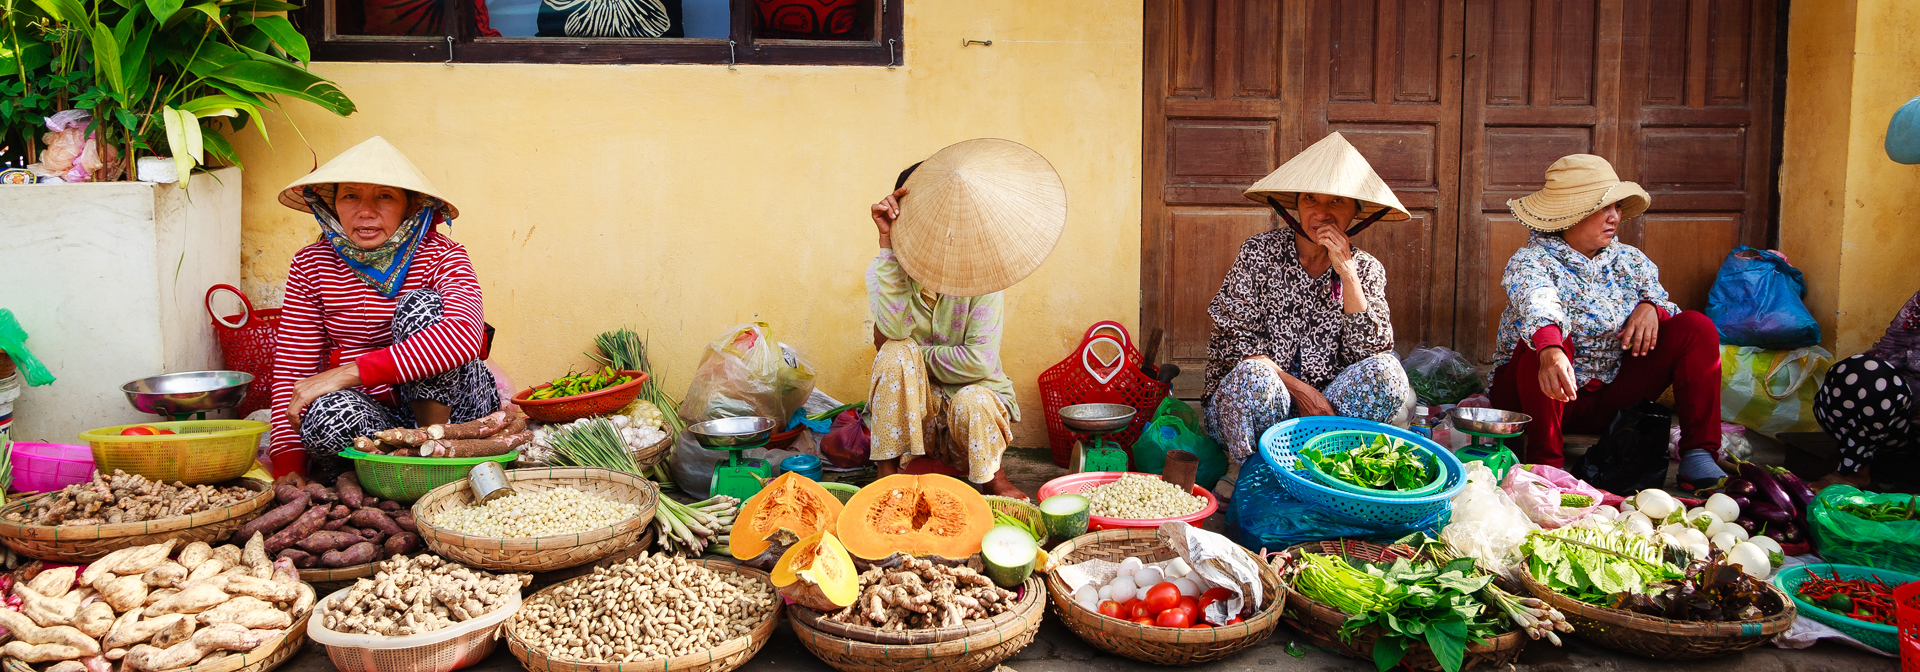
(569, 409)
(246, 343)
(1906, 609)
(1083, 379)
(1076, 484)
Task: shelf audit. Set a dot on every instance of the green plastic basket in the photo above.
(404, 479)
(1883, 637)
(1336, 442)
(841, 491)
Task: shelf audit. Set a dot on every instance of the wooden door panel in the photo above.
(1688, 248)
(1405, 250)
(1190, 66)
(1213, 160)
(1205, 242)
(1505, 236)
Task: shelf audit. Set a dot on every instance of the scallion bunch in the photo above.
(595, 443)
(627, 351)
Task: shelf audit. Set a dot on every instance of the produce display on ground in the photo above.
(1164, 594)
(417, 595)
(639, 426)
(496, 433)
(1409, 602)
(316, 526)
(574, 384)
(1142, 497)
(545, 513)
(1384, 463)
(648, 607)
(705, 526)
(921, 594)
(126, 498)
(625, 350)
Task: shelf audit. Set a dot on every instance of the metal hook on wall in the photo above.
(893, 60)
(449, 50)
(731, 58)
(966, 43)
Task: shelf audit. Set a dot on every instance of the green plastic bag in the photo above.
(1847, 539)
(1169, 432)
(1179, 409)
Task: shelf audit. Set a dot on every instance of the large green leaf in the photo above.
(218, 147)
(31, 55)
(218, 106)
(1448, 640)
(183, 141)
(212, 57)
(285, 35)
(284, 79)
(162, 9)
(69, 12)
(106, 59)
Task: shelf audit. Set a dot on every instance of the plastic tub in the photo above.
(1882, 637)
(198, 451)
(462, 645)
(45, 467)
(804, 465)
(1076, 484)
(405, 479)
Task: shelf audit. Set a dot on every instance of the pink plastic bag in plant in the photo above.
(1537, 489)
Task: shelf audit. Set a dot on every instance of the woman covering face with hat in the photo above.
(1300, 325)
(960, 227)
(1588, 330)
(381, 325)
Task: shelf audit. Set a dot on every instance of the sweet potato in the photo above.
(55, 581)
(335, 525)
(405, 520)
(265, 589)
(300, 528)
(373, 535)
(94, 619)
(212, 567)
(101, 571)
(193, 600)
(25, 630)
(286, 492)
(193, 554)
(389, 506)
(488, 425)
(321, 493)
(323, 541)
(274, 520)
(47, 611)
(125, 593)
(144, 558)
(350, 491)
(375, 519)
(40, 653)
(338, 511)
(301, 559)
(402, 544)
(167, 574)
(359, 554)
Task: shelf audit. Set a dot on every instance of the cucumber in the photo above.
(1065, 515)
(1008, 553)
(1572, 500)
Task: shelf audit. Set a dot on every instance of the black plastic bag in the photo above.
(1633, 455)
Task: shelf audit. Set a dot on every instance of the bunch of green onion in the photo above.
(627, 351)
(1330, 580)
(593, 444)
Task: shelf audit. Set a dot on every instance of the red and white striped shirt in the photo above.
(331, 317)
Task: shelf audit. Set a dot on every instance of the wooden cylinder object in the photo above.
(1180, 470)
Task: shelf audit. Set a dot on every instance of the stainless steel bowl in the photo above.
(1489, 420)
(188, 392)
(732, 432)
(1097, 418)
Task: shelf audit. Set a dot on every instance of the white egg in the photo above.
(1130, 566)
(1087, 597)
(1177, 568)
(1105, 593)
(1147, 577)
(1123, 588)
(1187, 587)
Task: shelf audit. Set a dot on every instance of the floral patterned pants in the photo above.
(1252, 398)
(968, 432)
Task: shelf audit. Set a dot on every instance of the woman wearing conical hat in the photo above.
(1588, 329)
(958, 228)
(1300, 325)
(381, 326)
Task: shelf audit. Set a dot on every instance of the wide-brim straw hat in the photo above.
(1578, 185)
(979, 216)
(1330, 166)
(375, 161)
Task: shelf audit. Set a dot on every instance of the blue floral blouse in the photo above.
(1550, 283)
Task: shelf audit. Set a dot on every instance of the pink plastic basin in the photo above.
(42, 467)
(1079, 484)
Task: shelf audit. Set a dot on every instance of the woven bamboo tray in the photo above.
(646, 457)
(270, 654)
(726, 657)
(1033, 598)
(1027, 513)
(1160, 646)
(328, 579)
(980, 650)
(1321, 623)
(640, 545)
(1658, 637)
(81, 544)
(540, 554)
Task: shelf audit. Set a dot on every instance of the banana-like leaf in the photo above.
(220, 149)
(218, 106)
(183, 141)
(106, 59)
(69, 12)
(285, 35)
(212, 57)
(284, 79)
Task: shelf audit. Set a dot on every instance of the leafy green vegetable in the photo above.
(1411, 602)
(1575, 501)
(1383, 464)
(1592, 565)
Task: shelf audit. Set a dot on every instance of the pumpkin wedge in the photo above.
(918, 515)
(788, 509)
(817, 573)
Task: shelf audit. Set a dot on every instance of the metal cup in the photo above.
(489, 482)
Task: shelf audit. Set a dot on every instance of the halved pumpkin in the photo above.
(918, 515)
(818, 574)
(788, 509)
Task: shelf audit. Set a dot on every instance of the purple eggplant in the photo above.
(1750, 525)
(1789, 534)
(1795, 487)
(1740, 487)
(1741, 502)
(1768, 513)
(1769, 488)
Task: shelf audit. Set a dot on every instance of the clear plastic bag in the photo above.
(1486, 524)
(1536, 488)
(745, 372)
(1441, 376)
(1734, 444)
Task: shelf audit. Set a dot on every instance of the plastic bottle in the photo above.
(1422, 425)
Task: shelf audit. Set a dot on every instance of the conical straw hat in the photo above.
(1330, 166)
(979, 216)
(1578, 185)
(375, 161)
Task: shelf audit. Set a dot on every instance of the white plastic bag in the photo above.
(1219, 562)
(1486, 525)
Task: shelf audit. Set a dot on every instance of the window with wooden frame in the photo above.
(721, 32)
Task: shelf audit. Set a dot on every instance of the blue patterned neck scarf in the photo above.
(383, 267)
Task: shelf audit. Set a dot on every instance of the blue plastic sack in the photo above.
(1263, 515)
(1903, 133)
(1756, 302)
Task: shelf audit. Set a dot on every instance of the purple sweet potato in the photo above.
(402, 543)
(274, 520)
(358, 554)
(335, 525)
(302, 527)
(376, 519)
(323, 541)
(338, 511)
(301, 559)
(350, 492)
(321, 493)
(388, 506)
(286, 492)
(405, 520)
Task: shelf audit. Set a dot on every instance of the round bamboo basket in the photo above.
(646, 457)
(1032, 598)
(981, 650)
(726, 657)
(1159, 646)
(1321, 623)
(640, 545)
(329, 579)
(81, 544)
(270, 654)
(540, 554)
(1658, 637)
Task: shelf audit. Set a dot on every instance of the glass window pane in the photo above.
(418, 18)
(813, 19)
(712, 19)
(590, 18)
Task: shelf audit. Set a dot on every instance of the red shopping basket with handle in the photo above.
(1105, 369)
(246, 343)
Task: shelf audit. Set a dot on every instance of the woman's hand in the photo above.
(884, 214)
(1556, 375)
(1306, 400)
(321, 384)
(1339, 249)
(1641, 331)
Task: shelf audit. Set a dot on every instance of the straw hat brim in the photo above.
(1552, 211)
(375, 161)
(1331, 166)
(979, 216)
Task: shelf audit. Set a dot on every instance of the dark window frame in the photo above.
(460, 45)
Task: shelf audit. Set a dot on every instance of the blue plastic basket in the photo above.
(1883, 637)
(1340, 441)
(1277, 446)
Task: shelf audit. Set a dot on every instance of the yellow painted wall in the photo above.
(685, 199)
(1848, 213)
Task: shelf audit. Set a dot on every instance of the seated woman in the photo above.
(381, 325)
(1588, 329)
(937, 308)
(1300, 326)
(1865, 401)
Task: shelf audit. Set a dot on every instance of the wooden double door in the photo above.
(1459, 105)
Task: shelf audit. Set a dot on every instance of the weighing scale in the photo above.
(1490, 429)
(740, 477)
(1098, 420)
(189, 395)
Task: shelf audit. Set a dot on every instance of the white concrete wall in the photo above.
(108, 279)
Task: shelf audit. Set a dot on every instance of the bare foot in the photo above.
(1003, 487)
(1859, 479)
(887, 467)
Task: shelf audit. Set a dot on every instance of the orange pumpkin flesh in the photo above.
(788, 509)
(818, 574)
(918, 515)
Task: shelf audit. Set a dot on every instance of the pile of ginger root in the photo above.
(126, 498)
(417, 595)
(920, 594)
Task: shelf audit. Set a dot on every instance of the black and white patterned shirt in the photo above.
(1268, 305)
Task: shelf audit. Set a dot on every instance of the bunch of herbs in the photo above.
(1410, 602)
(1385, 463)
(1593, 565)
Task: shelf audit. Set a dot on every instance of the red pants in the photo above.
(1686, 356)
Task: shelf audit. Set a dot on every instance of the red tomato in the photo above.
(1191, 605)
(162, 431)
(1174, 618)
(1162, 597)
(1233, 621)
(1143, 620)
(1213, 595)
(139, 430)
(1201, 624)
(1110, 608)
(1137, 609)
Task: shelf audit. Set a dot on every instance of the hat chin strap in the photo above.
(1351, 232)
